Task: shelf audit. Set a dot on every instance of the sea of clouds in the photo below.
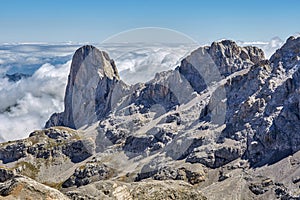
(26, 105)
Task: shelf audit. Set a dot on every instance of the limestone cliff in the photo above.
(92, 78)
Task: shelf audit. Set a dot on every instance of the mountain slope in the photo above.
(225, 120)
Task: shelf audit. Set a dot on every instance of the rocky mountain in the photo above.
(223, 125)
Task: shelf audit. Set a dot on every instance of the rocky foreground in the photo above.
(222, 125)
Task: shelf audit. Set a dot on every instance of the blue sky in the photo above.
(94, 21)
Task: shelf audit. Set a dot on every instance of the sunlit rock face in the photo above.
(92, 77)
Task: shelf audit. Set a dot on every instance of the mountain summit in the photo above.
(92, 77)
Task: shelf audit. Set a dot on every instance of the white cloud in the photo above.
(28, 103)
(26, 58)
(268, 47)
(137, 63)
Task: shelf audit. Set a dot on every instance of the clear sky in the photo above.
(95, 20)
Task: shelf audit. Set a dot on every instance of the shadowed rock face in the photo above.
(288, 53)
(230, 57)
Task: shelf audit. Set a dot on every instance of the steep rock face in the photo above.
(263, 111)
(92, 78)
(207, 65)
(288, 54)
(284, 131)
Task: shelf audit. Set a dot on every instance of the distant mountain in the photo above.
(224, 124)
(16, 76)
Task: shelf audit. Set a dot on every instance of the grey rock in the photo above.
(138, 145)
(6, 174)
(225, 155)
(13, 152)
(296, 180)
(24, 188)
(56, 119)
(282, 192)
(223, 176)
(287, 54)
(90, 172)
(230, 57)
(48, 143)
(79, 150)
(173, 118)
(136, 191)
(257, 189)
(93, 76)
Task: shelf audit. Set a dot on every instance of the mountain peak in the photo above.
(92, 78)
(229, 57)
(100, 59)
(288, 54)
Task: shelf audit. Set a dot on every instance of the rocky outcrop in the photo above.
(207, 65)
(13, 152)
(91, 81)
(94, 86)
(288, 54)
(6, 174)
(262, 112)
(92, 171)
(136, 191)
(229, 57)
(20, 187)
(191, 176)
(49, 143)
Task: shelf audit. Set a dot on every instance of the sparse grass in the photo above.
(28, 169)
(35, 139)
(69, 130)
(54, 185)
(76, 137)
(82, 167)
(7, 143)
(17, 190)
(52, 143)
(4, 167)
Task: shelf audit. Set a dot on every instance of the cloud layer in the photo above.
(28, 103)
(268, 47)
(139, 63)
